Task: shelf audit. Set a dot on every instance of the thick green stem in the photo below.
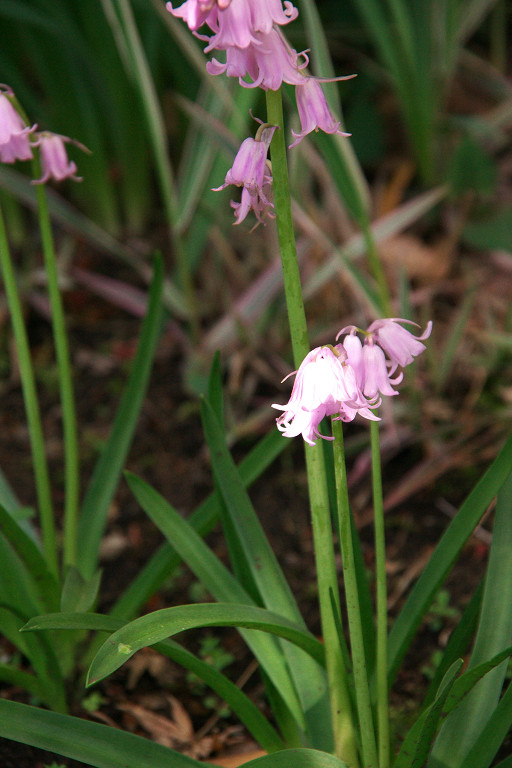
(381, 602)
(364, 709)
(341, 710)
(60, 339)
(28, 385)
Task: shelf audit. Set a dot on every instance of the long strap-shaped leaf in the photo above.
(101, 746)
(450, 694)
(494, 634)
(165, 560)
(31, 555)
(158, 625)
(219, 582)
(444, 556)
(249, 714)
(97, 745)
(416, 746)
(111, 462)
(484, 749)
(258, 559)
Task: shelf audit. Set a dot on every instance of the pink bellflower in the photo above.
(387, 345)
(268, 64)
(314, 111)
(251, 171)
(325, 385)
(54, 159)
(14, 134)
(400, 345)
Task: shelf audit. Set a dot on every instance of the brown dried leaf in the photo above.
(420, 262)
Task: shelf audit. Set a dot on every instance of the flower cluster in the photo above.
(248, 34)
(17, 140)
(350, 377)
(251, 170)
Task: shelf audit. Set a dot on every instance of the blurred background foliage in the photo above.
(425, 177)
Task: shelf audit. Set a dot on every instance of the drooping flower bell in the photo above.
(314, 111)
(325, 385)
(400, 345)
(54, 158)
(14, 133)
(387, 345)
(251, 171)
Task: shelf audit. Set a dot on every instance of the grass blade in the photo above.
(445, 555)
(159, 625)
(255, 557)
(165, 560)
(416, 745)
(462, 729)
(248, 713)
(96, 745)
(219, 581)
(110, 464)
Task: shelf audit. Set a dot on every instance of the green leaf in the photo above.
(458, 643)
(492, 233)
(415, 748)
(219, 582)
(153, 627)
(298, 758)
(28, 551)
(248, 713)
(469, 679)
(24, 680)
(494, 635)
(110, 464)
(215, 396)
(165, 560)
(444, 556)
(101, 746)
(40, 653)
(79, 594)
(484, 749)
(251, 553)
(471, 168)
(94, 744)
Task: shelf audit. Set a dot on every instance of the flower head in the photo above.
(54, 158)
(314, 111)
(14, 134)
(325, 385)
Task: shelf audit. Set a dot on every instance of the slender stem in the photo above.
(381, 602)
(341, 709)
(31, 405)
(285, 231)
(60, 338)
(364, 710)
(330, 610)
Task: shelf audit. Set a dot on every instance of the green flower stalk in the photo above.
(341, 709)
(71, 452)
(28, 385)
